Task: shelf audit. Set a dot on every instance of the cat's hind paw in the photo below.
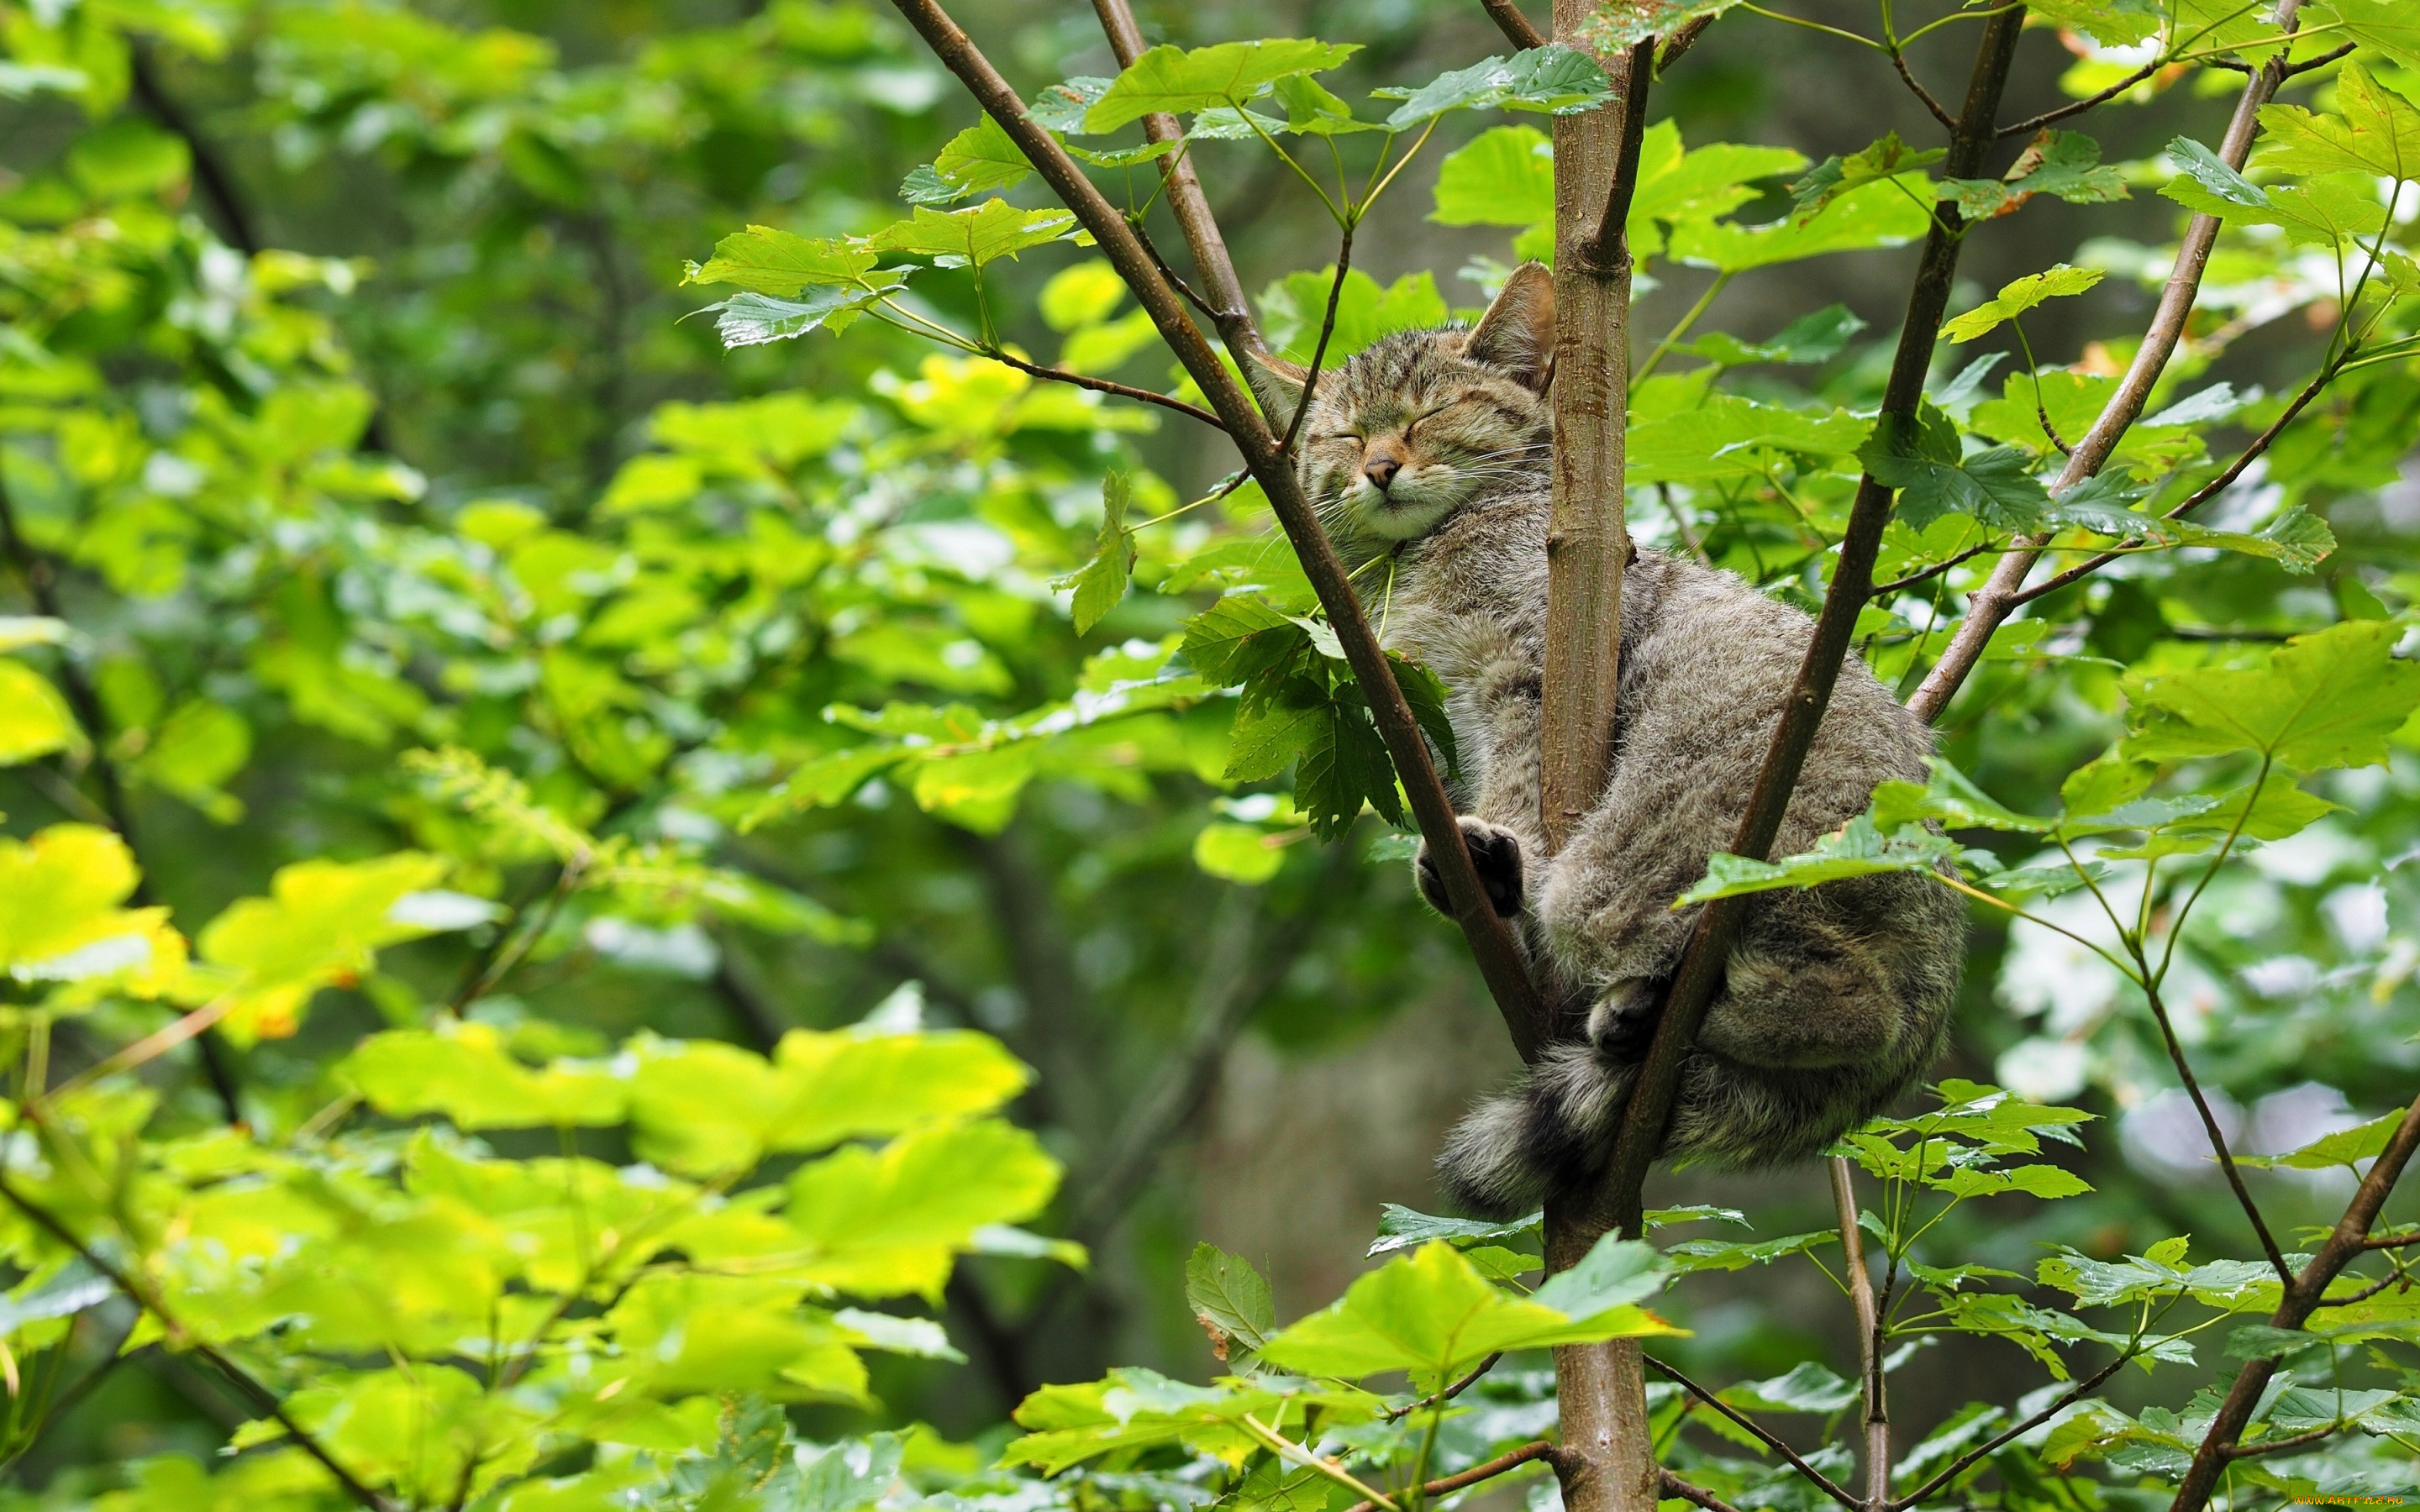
(1623, 1022)
(1494, 854)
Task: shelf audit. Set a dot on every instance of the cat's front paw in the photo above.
(1623, 1022)
(1494, 854)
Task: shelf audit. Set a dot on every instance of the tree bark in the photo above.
(1608, 1460)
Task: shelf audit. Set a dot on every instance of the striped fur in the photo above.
(1835, 1000)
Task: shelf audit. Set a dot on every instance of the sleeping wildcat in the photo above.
(1433, 445)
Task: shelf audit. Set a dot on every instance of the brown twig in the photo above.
(1512, 1459)
(2209, 1126)
(1319, 351)
(1999, 1441)
(2271, 1447)
(1680, 41)
(1227, 307)
(1991, 604)
(1500, 958)
(1870, 1332)
(2391, 1242)
(1441, 1397)
(2035, 123)
(1703, 962)
(142, 1296)
(1085, 380)
(1907, 76)
(2200, 496)
(2300, 1299)
(1771, 1440)
(1516, 27)
(1672, 1485)
(1608, 249)
(1926, 575)
(2321, 62)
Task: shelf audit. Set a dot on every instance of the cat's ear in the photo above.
(1280, 385)
(1517, 332)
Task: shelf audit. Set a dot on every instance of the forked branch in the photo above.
(1500, 958)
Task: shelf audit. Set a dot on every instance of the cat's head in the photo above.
(1423, 421)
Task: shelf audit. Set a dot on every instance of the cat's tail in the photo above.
(1550, 1134)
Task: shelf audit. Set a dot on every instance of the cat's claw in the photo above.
(1494, 854)
(1623, 1022)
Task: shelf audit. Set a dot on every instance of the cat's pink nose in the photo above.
(1381, 471)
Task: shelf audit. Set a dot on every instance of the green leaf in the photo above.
(1343, 767)
(2378, 132)
(1505, 176)
(34, 720)
(2066, 164)
(755, 319)
(1228, 1296)
(1401, 1228)
(2346, 1147)
(2209, 170)
(1101, 582)
(59, 919)
(1622, 24)
(766, 260)
(1554, 79)
(1238, 637)
(973, 237)
(1726, 436)
(882, 1223)
(321, 924)
(2016, 299)
(461, 1071)
(1926, 464)
(1882, 161)
(1172, 81)
(1061, 107)
(2325, 699)
(2387, 26)
(1883, 214)
(1245, 854)
(1952, 799)
(1311, 111)
(1811, 338)
(1725, 1254)
(1432, 1314)
(978, 159)
(1857, 849)
(1294, 308)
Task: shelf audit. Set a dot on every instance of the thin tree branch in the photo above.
(2209, 1126)
(1440, 1399)
(1500, 958)
(2300, 1299)
(1228, 309)
(1870, 1332)
(1821, 1482)
(2391, 1242)
(2321, 62)
(2077, 107)
(2369, 1291)
(40, 578)
(1680, 41)
(1510, 1460)
(1672, 1485)
(210, 170)
(1991, 604)
(1517, 29)
(1319, 351)
(1907, 76)
(2202, 495)
(1085, 380)
(1895, 585)
(1701, 963)
(2271, 1447)
(1608, 249)
(263, 1398)
(2006, 1436)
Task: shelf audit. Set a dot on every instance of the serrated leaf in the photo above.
(1554, 79)
(1101, 582)
(1226, 1293)
(767, 260)
(1880, 161)
(2377, 131)
(1401, 1228)
(973, 237)
(1811, 338)
(2066, 164)
(1924, 462)
(1622, 23)
(2324, 700)
(2017, 298)
(756, 319)
(1173, 81)
(1432, 1314)
(978, 159)
(1504, 175)
(1857, 849)
(2345, 1147)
